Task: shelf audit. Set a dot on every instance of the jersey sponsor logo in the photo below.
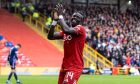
(67, 37)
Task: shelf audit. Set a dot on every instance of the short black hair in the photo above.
(78, 14)
(19, 45)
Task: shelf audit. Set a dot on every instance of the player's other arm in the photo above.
(77, 17)
(16, 56)
(66, 29)
(8, 58)
(52, 35)
(57, 15)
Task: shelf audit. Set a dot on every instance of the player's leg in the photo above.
(14, 72)
(61, 76)
(10, 75)
(78, 73)
(15, 75)
(9, 78)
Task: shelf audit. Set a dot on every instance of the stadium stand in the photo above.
(5, 46)
(38, 54)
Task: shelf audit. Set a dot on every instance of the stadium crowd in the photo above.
(114, 34)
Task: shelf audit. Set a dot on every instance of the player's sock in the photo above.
(10, 75)
(15, 75)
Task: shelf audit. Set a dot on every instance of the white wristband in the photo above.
(54, 22)
(61, 17)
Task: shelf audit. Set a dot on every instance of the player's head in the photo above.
(18, 46)
(77, 19)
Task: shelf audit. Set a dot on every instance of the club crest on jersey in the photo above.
(67, 37)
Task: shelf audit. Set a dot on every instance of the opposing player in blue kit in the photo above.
(12, 58)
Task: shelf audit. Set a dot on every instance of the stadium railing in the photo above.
(95, 56)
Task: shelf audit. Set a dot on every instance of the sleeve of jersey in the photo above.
(61, 33)
(79, 30)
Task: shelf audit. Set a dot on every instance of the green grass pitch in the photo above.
(84, 79)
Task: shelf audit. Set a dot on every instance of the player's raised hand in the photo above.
(60, 9)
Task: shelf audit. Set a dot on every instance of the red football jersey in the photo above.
(73, 49)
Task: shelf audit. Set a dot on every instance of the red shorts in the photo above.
(69, 76)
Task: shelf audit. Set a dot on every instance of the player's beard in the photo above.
(74, 22)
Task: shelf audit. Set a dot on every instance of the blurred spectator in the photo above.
(92, 69)
(35, 15)
(24, 12)
(48, 22)
(134, 70)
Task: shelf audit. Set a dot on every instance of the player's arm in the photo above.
(14, 50)
(18, 61)
(66, 29)
(16, 56)
(8, 58)
(52, 35)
